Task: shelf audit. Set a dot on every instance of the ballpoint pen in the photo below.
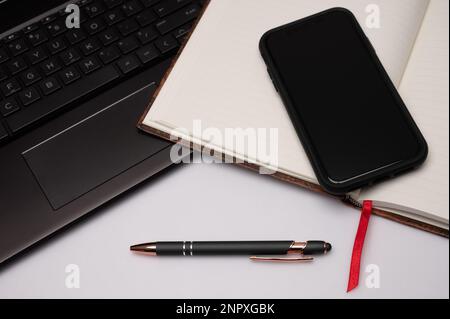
(300, 251)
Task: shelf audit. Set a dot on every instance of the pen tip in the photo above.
(328, 247)
(134, 248)
(149, 249)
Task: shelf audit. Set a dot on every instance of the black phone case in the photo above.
(370, 178)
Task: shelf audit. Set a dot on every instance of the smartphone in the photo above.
(349, 116)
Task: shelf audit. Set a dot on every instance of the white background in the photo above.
(224, 202)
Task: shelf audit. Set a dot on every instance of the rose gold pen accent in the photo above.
(297, 248)
(282, 259)
(147, 249)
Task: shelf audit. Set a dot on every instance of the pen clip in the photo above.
(299, 259)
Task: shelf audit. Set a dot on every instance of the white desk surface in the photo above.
(223, 202)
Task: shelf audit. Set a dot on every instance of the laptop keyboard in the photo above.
(47, 67)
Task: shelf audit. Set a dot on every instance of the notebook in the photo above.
(220, 80)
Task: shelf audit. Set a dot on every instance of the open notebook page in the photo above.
(221, 78)
(425, 88)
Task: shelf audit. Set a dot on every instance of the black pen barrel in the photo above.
(231, 248)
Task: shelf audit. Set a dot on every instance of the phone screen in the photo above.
(341, 97)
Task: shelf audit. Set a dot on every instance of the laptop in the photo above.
(70, 99)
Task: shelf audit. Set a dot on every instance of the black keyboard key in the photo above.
(69, 75)
(147, 54)
(132, 7)
(50, 66)
(56, 45)
(31, 27)
(70, 56)
(29, 96)
(178, 19)
(56, 28)
(127, 45)
(62, 98)
(150, 3)
(182, 31)
(166, 44)
(50, 85)
(90, 46)
(128, 64)
(145, 18)
(8, 107)
(18, 47)
(3, 56)
(112, 3)
(30, 76)
(94, 9)
(95, 26)
(147, 35)
(170, 6)
(109, 54)
(75, 35)
(109, 36)
(49, 19)
(10, 87)
(127, 27)
(89, 65)
(37, 37)
(16, 65)
(114, 16)
(12, 37)
(83, 3)
(37, 55)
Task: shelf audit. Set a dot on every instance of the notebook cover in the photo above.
(281, 176)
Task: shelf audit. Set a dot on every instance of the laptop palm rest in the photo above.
(93, 151)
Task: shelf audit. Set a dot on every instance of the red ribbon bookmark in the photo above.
(355, 266)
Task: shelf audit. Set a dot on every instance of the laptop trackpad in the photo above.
(92, 152)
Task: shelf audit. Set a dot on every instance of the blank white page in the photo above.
(425, 88)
